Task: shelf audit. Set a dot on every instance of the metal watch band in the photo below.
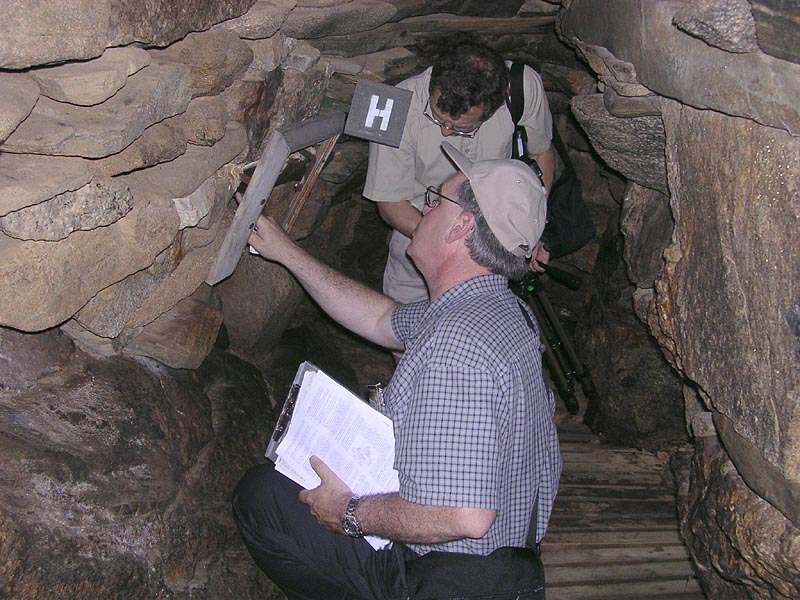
(350, 523)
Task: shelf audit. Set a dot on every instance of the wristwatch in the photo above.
(350, 523)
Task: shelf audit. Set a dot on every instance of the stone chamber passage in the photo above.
(133, 394)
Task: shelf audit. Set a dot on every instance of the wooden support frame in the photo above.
(281, 144)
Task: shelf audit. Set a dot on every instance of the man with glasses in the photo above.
(476, 446)
(462, 99)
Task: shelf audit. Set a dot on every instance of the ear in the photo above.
(462, 227)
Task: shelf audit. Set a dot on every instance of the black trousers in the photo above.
(303, 558)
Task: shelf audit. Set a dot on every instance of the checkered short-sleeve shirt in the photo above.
(473, 417)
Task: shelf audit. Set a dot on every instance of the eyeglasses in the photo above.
(429, 115)
(433, 197)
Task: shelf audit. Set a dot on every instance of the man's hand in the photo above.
(539, 257)
(329, 500)
(270, 240)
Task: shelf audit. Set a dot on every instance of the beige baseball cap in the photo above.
(511, 197)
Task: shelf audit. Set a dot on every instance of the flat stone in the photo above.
(22, 182)
(630, 106)
(94, 81)
(182, 176)
(159, 143)
(51, 281)
(182, 337)
(726, 24)
(18, 95)
(352, 17)
(633, 146)
(263, 20)
(28, 33)
(156, 92)
(345, 66)
(534, 8)
(101, 202)
(671, 63)
(216, 58)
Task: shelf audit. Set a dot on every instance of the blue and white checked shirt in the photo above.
(473, 418)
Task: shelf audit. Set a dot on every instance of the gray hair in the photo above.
(484, 247)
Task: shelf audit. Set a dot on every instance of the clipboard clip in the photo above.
(286, 413)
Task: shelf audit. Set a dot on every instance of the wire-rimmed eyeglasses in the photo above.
(433, 197)
(429, 115)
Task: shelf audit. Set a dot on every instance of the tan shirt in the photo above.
(397, 174)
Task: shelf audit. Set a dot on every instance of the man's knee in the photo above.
(256, 497)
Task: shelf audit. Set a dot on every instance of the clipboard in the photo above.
(285, 418)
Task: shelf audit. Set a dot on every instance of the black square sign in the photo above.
(378, 112)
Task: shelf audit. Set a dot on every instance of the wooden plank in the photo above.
(612, 537)
(564, 554)
(602, 572)
(617, 507)
(681, 588)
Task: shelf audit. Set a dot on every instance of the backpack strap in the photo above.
(517, 101)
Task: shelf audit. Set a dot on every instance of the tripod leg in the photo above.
(579, 370)
(553, 358)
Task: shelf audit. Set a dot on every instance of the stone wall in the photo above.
(706, 94)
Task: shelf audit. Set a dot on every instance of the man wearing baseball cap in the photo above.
(476, 447)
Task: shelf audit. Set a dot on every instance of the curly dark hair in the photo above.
(469, 74)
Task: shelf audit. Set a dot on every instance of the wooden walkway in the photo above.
(613, 534)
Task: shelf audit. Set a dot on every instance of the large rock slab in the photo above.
(672, 63)
(122, 472)
(51, 281)
(102, 202)
(727, 303)
(22, 183)
(476, 8)
(156, 92)
(94, 81)
(263, 20)
(93, 25)
(352, 17)
(633, 146)
(216, 58)
(18, 96)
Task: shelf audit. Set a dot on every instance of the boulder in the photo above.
(646, 223)
(262, 21)
(727, 25)
(776, 28)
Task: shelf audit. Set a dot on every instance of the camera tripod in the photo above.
(563, 364)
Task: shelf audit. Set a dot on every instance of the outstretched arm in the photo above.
(391, 517)
(350, 303)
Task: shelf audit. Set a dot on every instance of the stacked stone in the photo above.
(116, 172)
